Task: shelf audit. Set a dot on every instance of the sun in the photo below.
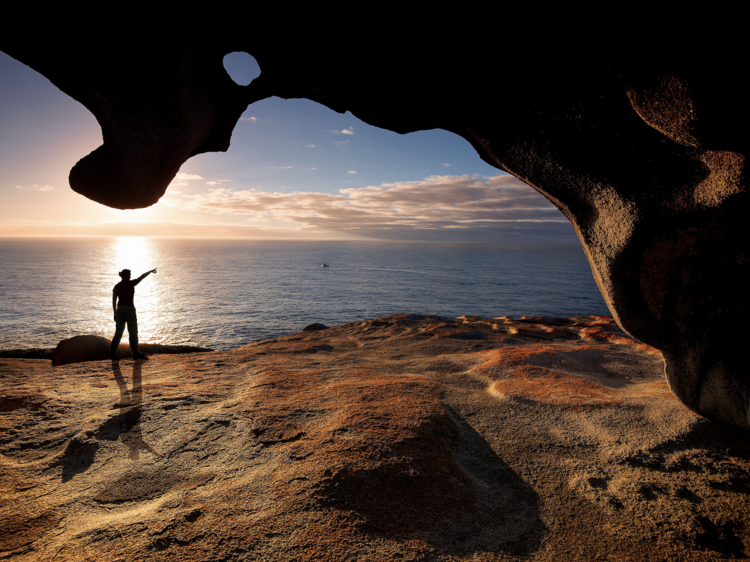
(134, 253)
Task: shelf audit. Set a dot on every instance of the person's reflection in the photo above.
(130, 411)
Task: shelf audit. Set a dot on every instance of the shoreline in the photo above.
(150, 348)
(161, 348)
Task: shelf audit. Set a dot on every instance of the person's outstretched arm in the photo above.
(142, 277)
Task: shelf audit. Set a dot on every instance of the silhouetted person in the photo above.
(122, 303)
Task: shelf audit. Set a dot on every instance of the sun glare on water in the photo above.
(139, 255)
(134, 253)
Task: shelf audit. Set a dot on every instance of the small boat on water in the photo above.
(324, 265)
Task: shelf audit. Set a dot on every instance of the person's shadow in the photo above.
(131, 405)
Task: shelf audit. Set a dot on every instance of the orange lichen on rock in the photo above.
(599, 334)
(374, 448)
(604, 328)
(512, 376)
(451, 330)
(537, 383)
(508, 357)
(554, 387)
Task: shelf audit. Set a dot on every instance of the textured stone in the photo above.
(641, 144)
(547, 439)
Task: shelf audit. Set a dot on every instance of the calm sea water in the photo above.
(223, 294)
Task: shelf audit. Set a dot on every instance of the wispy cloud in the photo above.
(339, 143)
(435, 203)
(182, 179)
(35, 187)
(351, 172)
(253, 119)
(445, 164)
(217, 182)
(311, 146)
(347, 131)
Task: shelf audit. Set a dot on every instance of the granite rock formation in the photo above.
(403, 438)
(632, 125)
(80, 349)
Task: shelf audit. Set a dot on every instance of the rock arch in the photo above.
(631, 124)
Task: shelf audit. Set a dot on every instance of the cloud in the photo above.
(347, 131)
(182, 179)
(253, 119)
(282, 167)
(339, 143)
(35, 187)
(351, 172)
(437, 203)
(217, 182)
(311, 146)
(445, 164)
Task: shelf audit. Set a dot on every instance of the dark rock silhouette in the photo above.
(79, 349)
(640, 143)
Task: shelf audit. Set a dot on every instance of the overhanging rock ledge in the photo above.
(639, 142)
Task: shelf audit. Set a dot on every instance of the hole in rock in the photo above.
(241, 67)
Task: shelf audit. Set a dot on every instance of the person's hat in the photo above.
(122, 273)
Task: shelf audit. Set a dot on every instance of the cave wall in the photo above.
(631, 124)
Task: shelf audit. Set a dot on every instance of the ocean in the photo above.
(223, 294)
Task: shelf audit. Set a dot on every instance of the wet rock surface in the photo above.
(408, 437)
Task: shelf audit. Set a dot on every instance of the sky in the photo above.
(295, 170)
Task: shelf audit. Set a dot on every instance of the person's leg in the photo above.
(133, 333)
(119, 329)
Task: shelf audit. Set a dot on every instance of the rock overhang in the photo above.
(637, 142)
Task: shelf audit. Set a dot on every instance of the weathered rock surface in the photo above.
(403, 438)
(79, 349)
(641, 144)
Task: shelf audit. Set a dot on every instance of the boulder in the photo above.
(81, 348)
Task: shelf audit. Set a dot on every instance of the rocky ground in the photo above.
(404, 438)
